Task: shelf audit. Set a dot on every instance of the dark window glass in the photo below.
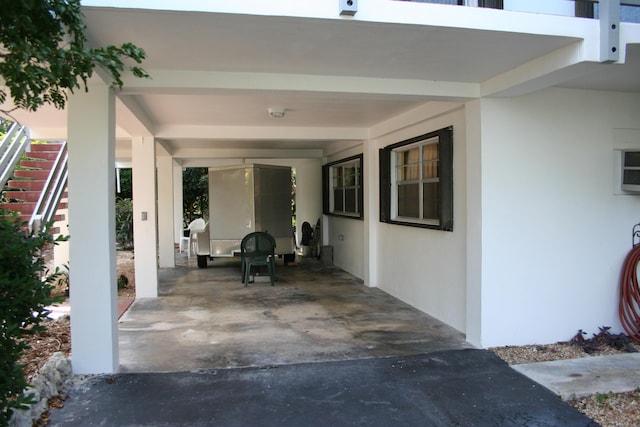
(430, 200)
(632, 158)
(338, 200)
(632, 177)
(409, 201)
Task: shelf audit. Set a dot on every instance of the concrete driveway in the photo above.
(206, 318)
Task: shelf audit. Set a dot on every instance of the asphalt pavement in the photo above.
(466, 387)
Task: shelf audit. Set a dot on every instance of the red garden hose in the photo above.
(629, 308)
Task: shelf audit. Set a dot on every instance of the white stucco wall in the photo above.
(427, 268)
(554, 233)
(346, 235)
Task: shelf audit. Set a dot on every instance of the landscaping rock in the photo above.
(46, 384)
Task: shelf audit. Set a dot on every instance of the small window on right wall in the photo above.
(416, 181)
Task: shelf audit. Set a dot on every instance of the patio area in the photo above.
(207, 319)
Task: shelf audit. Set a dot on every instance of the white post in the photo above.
(178, 219)
(92, 252)
(371, 219)
(473, 114)
(165, 208)
(143, 157)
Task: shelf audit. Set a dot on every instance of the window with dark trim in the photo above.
(342, 187)
(493, 4)
(416, 181)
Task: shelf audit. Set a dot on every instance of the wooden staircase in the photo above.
(26, 186)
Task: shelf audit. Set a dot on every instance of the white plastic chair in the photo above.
(198, 228)
(195, 226)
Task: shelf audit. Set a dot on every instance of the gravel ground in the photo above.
(609, 410)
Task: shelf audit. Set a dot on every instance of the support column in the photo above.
(165, 208)
(473, 114)
(143, 156)
(178, 219)
(609, 12)
(92, 251)
(371, 218)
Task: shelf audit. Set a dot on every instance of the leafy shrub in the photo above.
(124, 223)
(195, 194)
(602, 339)
(25, 291)
(123, 281)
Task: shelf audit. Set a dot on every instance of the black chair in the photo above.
(256, 249)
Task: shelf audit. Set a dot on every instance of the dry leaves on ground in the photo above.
(56, 337)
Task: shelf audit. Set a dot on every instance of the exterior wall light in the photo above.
(348, 7)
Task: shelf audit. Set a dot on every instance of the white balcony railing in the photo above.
(610, 13)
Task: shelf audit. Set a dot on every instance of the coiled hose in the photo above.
(629, 307)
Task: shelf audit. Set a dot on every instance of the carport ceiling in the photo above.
(272, 44)
(278, 45)
(250, 108)
(202, 41)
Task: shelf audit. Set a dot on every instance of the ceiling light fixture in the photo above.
(277, 113)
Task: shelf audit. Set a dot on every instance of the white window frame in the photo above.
(443, 205)
(421, 180)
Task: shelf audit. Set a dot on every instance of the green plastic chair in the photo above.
(256, 249)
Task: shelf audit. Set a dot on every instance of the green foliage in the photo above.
(23, 298)
(44, 53)
(124, 223)
(195, 195)
(603, 397)
(126, 188)
(4, 127)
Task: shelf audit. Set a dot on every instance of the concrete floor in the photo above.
(317, 349)
(206, 318)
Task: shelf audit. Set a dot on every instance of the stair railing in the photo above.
(51, 194)
(14, 143)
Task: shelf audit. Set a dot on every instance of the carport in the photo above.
(206, 319)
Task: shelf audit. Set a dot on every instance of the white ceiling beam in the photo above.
(548, 70)
(187, 155)
(132, 118)
(416, 115)
(177, 132)
(172, 81)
